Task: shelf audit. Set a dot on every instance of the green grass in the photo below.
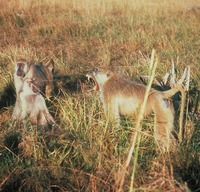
(86, 152)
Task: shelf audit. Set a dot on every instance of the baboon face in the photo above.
(100, 76)
(30, 86)
(22, 67)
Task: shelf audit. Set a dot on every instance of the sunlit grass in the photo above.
(85, 152)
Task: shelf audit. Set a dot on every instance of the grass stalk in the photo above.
(187, 107)
(135, 163)
(8, 177)
(121, 175)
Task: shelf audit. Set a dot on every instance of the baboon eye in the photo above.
(109, 74)
(20, 65)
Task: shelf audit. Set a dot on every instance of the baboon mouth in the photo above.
(96, 87)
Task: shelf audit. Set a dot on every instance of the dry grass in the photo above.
(85, 152)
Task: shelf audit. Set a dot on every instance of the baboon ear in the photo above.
(29, 63)
(50, 65)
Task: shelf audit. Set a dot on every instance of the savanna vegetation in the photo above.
(86, 152)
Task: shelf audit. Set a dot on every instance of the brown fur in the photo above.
(31, 105)
(43, 74)
(121, 96)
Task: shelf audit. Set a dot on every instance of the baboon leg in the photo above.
(164, 120)
(45, 119)
(43, 124)
(112, 110)
(163, 135)
(49, 118)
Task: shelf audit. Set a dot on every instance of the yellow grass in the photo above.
(86, 152)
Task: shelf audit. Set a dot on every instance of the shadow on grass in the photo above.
(7, 97)
(62, 84)
(187, 161)
(31, 174)
(69, 84)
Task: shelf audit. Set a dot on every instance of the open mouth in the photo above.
(90, 76)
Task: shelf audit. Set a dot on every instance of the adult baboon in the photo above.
(31, 106)
(121, 96)
(43, 74)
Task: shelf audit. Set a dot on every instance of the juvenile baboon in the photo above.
(121, 96)
(43, 74)
(31, 106)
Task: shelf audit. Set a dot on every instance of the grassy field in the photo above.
(85, 152)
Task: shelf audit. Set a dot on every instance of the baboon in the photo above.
(121, 96)
(43, 74)
(30, 105)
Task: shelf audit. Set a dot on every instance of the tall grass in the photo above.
(85, 152)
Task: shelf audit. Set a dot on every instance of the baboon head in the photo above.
(22, 67)
(100, 76)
